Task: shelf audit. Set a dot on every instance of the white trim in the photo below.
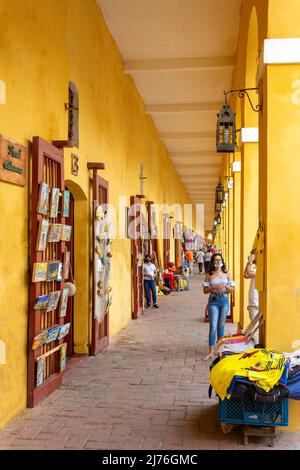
(249, 134)
(282, 51)
(236, 166)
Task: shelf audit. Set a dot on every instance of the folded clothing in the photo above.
(266, 367)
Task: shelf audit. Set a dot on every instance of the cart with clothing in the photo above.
(254, 384)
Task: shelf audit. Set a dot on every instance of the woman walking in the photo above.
(218, 284)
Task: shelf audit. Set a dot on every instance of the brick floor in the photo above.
(147, 390)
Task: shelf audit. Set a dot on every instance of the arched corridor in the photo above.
(147, 390)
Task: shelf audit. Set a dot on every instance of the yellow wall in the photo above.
(43, 45)
(278, 177)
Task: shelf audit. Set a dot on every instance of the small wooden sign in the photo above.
(13, 161)
(75, 164)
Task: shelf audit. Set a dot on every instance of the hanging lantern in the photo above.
(218, 207)
(219, 219)
(215, 223)
(219, 193)
(226, 138)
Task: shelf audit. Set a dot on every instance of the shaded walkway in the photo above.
(148, 390)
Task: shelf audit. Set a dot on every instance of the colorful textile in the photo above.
(266, 367)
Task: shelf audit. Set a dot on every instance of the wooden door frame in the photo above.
(97, 344)
(40, 150)
(166, 241)
(136, 247)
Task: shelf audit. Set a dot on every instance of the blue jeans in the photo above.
(150, 285)
(218, 307)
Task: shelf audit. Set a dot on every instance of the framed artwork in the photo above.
(54, 272)
(55, 231)
(66, 204)
(54, 200)
(52, 334)
(39, 339)
(39, 273)
(63, 302)
(41, 242)
(66, 264)
(60, 272)
(41, 302)
(66, 233)
(43, 200)
(53, 300)
(63, 357)
(40, 371)
(64, 330)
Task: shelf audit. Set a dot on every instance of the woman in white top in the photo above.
(218, 284)
(150, 271)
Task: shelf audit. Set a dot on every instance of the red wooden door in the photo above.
(100, 330)
(152, 230)
(47, 167)
(137, 256)
(166, 237)
(178, 244)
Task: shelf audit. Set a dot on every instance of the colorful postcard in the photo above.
(66, 204)
(66, 233)
(63, 356)
(66, 264)
(41, 302)
(54, 271)
(55, 193)
(40, 371)
(55, 233)
(39, 273)
(64, 330)
(41, 242)
(63, 302)
(53, 334)
(40, 339)
(43, 200)
(53, 300)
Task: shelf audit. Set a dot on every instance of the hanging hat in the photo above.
(71, 287)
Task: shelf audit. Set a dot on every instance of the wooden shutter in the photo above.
(47, 166)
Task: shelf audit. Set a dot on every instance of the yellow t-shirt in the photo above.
(263, 366)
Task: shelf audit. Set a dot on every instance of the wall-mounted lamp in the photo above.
(219, 192)
(226, 126)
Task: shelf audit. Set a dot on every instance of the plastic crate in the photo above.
(246, 411)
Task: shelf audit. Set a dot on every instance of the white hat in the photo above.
(71, 287)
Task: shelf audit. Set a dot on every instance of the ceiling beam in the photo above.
(187, 135)
(185, 63)
(197, 165)
(182, 108)
(197, 153)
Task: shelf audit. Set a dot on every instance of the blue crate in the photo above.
(246, 411)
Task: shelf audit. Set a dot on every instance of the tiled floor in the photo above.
(148, 390)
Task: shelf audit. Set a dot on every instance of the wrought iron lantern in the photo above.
(226, 127)
(218, 207)
(219, 219)
(220, 193)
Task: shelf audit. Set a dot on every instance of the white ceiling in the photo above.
(180, 54)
